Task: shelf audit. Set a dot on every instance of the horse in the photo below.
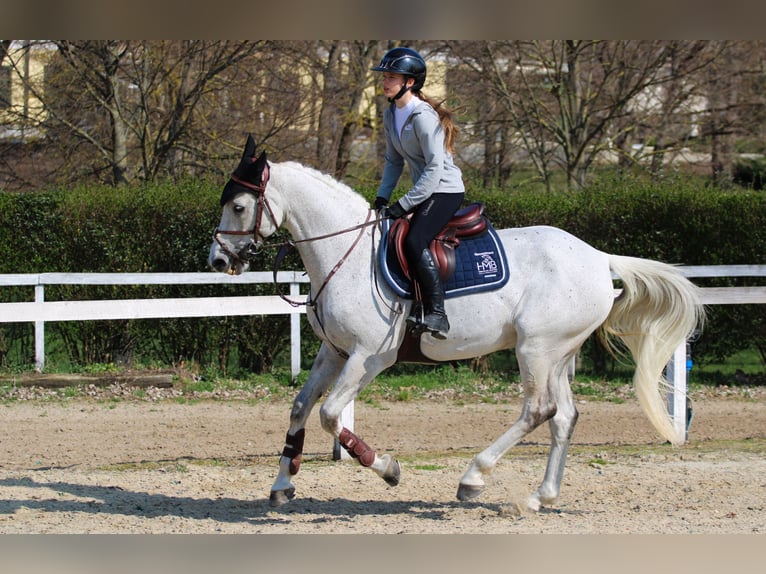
(560, 292)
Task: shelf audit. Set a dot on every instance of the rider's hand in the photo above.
(394, 212)
(380, 203)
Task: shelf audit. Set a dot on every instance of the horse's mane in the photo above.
(349, 193)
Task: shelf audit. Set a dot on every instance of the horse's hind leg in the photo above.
(325, 370)
(547, 397)
(539, 406)
(472, 482)
(561, 426)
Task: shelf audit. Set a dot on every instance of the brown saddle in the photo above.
(468, 221)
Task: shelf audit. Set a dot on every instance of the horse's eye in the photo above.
(239, 208)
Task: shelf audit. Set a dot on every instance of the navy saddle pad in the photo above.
(480, 265)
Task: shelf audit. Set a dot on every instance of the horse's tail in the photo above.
(656, 312)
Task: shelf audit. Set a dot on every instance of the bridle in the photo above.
(250, 250)
(257, 242)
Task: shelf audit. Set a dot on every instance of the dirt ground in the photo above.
(161, 466)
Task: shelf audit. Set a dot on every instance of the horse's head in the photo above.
(248, 217)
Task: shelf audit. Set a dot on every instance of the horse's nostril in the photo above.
(220, 264)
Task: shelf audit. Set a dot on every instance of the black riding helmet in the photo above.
(407, 62)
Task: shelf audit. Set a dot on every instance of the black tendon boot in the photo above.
(435, 319)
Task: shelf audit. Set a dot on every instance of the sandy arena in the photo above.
(139, 466)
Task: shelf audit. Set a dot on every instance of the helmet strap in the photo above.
(402, 91)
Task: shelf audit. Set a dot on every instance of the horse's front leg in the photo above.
(325, 370)
(358, 372)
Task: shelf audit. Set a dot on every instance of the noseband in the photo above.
(252, 248)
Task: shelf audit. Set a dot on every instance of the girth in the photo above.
(468, 221)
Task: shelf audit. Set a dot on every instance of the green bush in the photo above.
(154, 228)
(679, 220)
(167, 227)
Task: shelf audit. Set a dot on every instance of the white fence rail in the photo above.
(39, 311)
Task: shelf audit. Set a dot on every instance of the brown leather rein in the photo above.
(250, 251)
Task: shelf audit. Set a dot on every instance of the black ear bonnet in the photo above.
(250, 171)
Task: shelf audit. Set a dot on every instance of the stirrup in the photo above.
(437, 325)
(416, 314)
(415, 326)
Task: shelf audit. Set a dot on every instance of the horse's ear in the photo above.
(249, 147)
(260, 162)
(252, 169)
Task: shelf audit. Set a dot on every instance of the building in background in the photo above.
(22, 81)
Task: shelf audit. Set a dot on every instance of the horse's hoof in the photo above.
(280, 497)
(533, 505)
(469, 491)
(393, 472)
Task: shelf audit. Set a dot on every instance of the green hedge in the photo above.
(160, 228)
(167, 228)
(679, 221)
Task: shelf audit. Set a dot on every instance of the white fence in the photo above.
(39, 311)
(676, 371)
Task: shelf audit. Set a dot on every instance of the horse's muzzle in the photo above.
(220, 264)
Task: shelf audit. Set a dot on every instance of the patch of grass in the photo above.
(99, 369)
(71, 392)
(429, 467)
(410, 382)
(180, 465)
(743, 367)
(492, 381)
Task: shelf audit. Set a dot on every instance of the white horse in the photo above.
(560, 291)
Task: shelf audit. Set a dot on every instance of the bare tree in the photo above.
(488, 125)
(341, 76)
(96, 77)
(733, 88)
(565, 98)
(125, 109)
(5, 46)
(170, 80)
(664, 116)
(673, 121)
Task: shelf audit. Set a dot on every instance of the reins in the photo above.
(259, 191)
(284, 248)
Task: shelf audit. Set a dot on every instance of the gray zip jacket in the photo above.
(422, 146)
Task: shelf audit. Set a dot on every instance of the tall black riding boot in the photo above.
(435, 319)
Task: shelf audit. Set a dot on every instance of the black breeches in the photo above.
(428, 219)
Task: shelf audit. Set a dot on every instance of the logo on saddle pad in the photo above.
(470, 260)
(487, 265)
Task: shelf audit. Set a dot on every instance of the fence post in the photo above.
(676, 374)
(295, 334)
(39, 332)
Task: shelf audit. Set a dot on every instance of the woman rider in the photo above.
(420, 131)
